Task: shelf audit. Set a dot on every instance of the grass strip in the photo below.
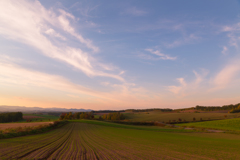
(148, 128)
(227, 124)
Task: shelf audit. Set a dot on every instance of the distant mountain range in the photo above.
(39, 109)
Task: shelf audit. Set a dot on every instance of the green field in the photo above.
(98, 140)
(227, 124)
(161, 116)
(137, 127)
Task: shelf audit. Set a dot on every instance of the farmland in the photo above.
(39, 117)
(99, 140)
(162, 116)
(228, 124)
(16, 125)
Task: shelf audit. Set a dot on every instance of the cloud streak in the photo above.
(134, 11)
(125, 94)
(186, 88)
(29, 22)
(182, 41)
(158, 55)
(227, 75)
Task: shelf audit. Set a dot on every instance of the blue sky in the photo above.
(119, 54)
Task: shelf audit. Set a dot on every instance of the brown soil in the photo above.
(15, 125)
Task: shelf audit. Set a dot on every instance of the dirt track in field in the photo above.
(15, 125)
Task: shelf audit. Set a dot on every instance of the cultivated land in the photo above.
(31, 117)
(100, 140)
(162, 116)
(16, 125)
(228, 124)
(39, 117)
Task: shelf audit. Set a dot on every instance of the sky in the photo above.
(125, 54)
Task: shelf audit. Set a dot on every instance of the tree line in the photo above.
(76, 115)
(112, 116)
(107, 111)
(11, 117)
(90, 115)
(235, 110)
(217, 108)
(149, 110)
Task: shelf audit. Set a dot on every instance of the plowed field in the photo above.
(16, 125)
(88, 141)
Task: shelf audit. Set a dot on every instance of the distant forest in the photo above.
(112, 116)
(149, 110)
(76, 115)
(89, 115)
(217, 108)
(10, 117)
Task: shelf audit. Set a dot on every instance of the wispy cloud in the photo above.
(125, 94)
(12, 74)
(227, 75)
(28, 22)
(157, 55)
(224, 51)
(53, 33)
(178, 89)
(134, 11)
(186, 88)
(233, 34)
(65, 23)
(185, 40)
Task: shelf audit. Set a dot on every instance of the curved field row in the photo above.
(88, 141)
